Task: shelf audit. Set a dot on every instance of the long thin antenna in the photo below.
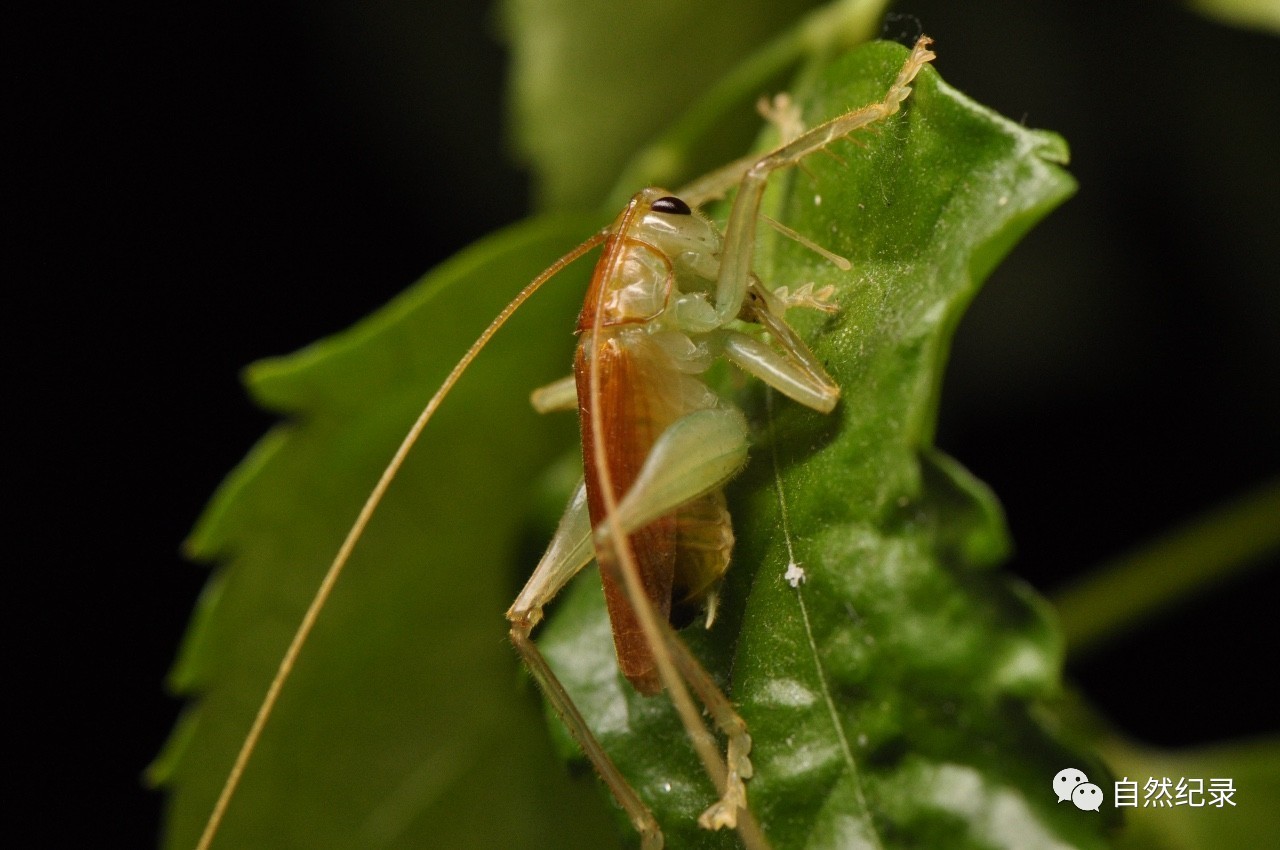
(629, 571)
(357, 531)
(655, 632)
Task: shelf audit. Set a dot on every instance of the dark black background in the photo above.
(202, 186)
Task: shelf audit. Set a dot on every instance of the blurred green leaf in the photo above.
(593, 80)
(1184, 562)
(1251, 14)
(1253, 768)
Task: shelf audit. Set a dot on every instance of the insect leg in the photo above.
(696, 454)
(791, 368)
(569, 552)
(718, 439)
(733, 800)
(641, 818)
(561, 395)
(783, 370)
(782, 113)
(740, 233)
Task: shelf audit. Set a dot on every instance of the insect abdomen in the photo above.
(633, 412)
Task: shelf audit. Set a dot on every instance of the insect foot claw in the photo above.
(723, 814)
(808, 298)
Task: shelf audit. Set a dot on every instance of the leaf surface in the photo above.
(404, 724)
(896, 697)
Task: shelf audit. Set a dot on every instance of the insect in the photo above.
(669, 294)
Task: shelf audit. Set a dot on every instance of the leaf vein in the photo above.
(793, 566)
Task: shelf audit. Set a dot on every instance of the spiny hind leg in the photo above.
(791, 152)
(696, 454)
(725, 812)
(739, 238)
(570, 550)
(637, 812)
(717, 183)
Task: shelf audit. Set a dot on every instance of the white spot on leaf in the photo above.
(795, 574)
(788, 693)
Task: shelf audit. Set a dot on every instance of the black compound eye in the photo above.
(671, 205)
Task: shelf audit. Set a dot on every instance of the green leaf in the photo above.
(406, 722)
(899, 696)
(1253, 768)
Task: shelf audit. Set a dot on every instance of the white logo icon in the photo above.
(1087, 797)
(1066, 781)
(1071, 784)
